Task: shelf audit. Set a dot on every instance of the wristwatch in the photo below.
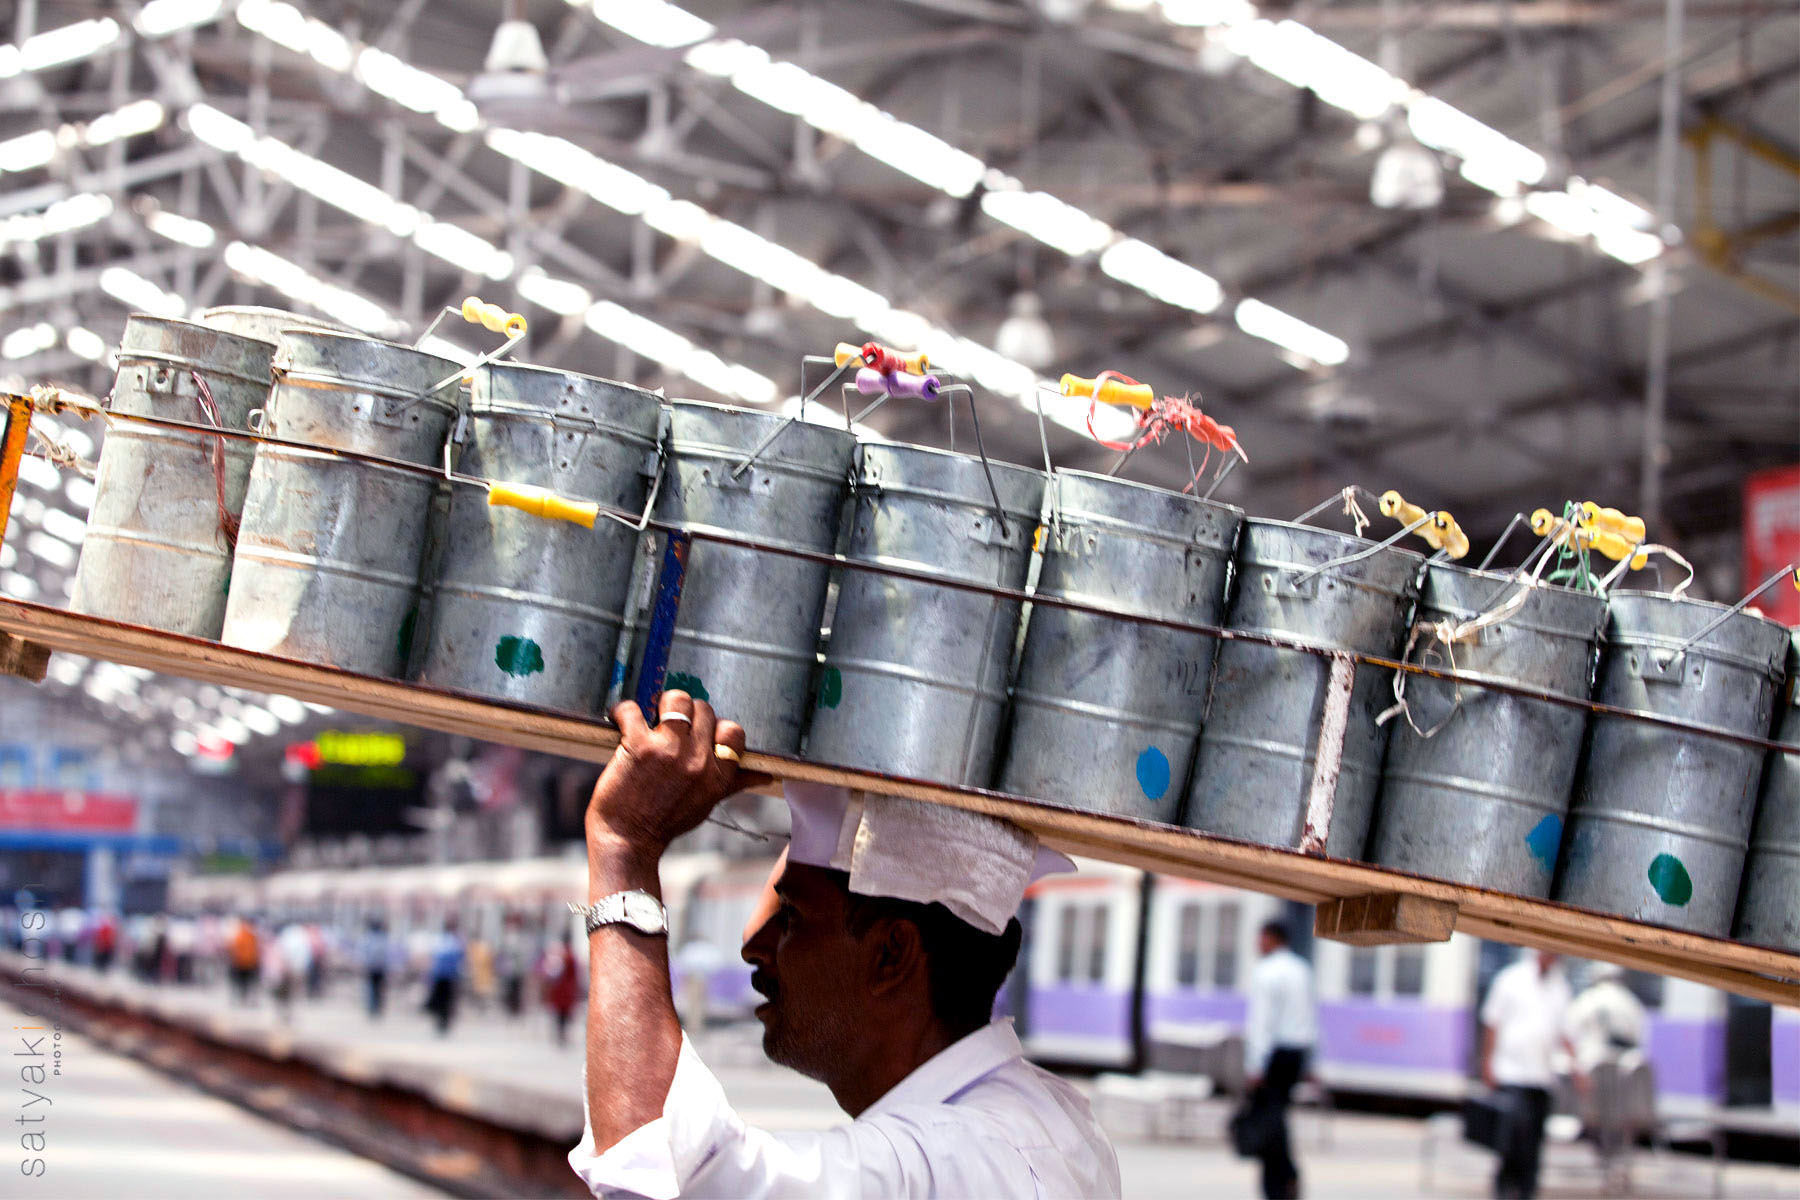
(636, 908)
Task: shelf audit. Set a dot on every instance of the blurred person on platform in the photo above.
(243, 950)
(374, 952)
(696, 963)
(106, 941)
(318, 958)
(512, 962)
(483, 985)
(1606, 1025)
(70, 924)
(1281, 1026)
(183, 937)
(1522, 1023)
(209, 946)
(1606, 1022)
(278, 971)
(561, 975)
(152, 947)
(881, 940)
(443, 976)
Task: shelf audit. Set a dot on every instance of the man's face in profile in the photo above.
(809, 966)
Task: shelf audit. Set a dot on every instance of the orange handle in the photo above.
(882, 358)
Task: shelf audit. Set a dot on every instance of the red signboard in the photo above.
(74, 809)
(1772, 538)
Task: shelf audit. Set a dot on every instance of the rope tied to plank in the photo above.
(57, 452)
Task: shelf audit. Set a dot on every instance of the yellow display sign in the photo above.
(361, 749)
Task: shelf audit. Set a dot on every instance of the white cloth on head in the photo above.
(1525, 1008)
(1282, 1014)
(976, 866)
(974, 1120)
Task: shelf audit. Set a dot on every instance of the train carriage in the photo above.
(1118, 970)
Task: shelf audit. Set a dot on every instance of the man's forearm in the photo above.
(633, 1035)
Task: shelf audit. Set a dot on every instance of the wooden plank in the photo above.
(1636, 955)
(1751, 970)
(1385, 919)
(209, 662)
(27, 660)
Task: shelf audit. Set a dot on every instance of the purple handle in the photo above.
(871, 382)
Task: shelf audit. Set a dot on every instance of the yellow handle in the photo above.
(1613, 546)
(1441, 532)
(1611, 520)
(1112, 391)
(492, 317)
(845, 352)
(1394, 505)
(1612, 533)
(1617, 548)
(1450, 537)
(1544, 523)
(542, 502)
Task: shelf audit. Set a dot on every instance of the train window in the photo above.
(1187, 947)
(1065, 943)
(1097, 944)
(1409, 970)
(1225, 946)
(1362, 971)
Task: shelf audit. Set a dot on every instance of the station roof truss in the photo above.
(691, 196)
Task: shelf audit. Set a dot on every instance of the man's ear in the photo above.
(896, 956)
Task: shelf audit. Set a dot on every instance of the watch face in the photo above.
(644, 913)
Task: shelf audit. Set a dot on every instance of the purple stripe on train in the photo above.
(1353, 1033)
(1091, 1011)
(1784, 1060)
(1689, 1056)
(1195, 1007)
(1368, 1033)
(727, 987)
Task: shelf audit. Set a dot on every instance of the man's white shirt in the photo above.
(974, 1120)
(1605, 1022)
(1526, 1010)
(1282, 1012)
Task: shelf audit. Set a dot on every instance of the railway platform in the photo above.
(489, 1109)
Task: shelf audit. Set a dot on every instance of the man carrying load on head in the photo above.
(884, 934)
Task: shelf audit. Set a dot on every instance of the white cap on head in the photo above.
(976, 866)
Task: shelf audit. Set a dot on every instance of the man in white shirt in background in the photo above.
(1282, 1027)
(884, 935)
(1522, 1023)
(1606, 1022)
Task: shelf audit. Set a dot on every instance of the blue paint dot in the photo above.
(618, 673)
(1153, 772)
(1543, 840)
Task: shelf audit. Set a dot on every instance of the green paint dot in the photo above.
(681, 681)
(518, 656)
(831, 688)
(404, 642)
(1670, 879)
